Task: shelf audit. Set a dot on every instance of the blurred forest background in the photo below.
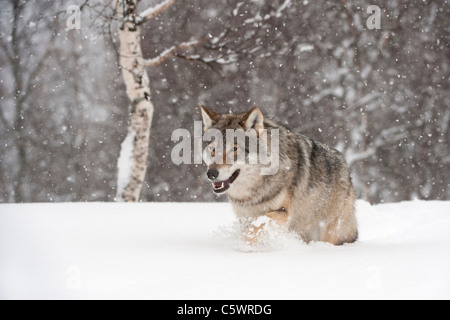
(382, 97)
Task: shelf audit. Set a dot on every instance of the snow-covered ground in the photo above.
(191, 251)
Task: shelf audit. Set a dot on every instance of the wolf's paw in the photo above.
(254, 235)
(266, 233)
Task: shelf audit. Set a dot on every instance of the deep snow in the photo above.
(191, 251)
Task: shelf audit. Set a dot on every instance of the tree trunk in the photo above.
(364, 147)
(133, 160)
(19, 119)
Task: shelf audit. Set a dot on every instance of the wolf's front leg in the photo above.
(258, 228)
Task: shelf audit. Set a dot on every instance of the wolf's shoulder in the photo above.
(326, 148)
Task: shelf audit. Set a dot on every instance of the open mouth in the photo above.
(222, 186)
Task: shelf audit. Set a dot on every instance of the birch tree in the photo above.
(132, 164)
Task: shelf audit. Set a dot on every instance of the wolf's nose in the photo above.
(212, 174)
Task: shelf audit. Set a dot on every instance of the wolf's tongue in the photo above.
(221, 185)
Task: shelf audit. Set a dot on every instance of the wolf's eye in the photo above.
(213, 151)
(235, 149)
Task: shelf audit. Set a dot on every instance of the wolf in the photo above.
(311, 193)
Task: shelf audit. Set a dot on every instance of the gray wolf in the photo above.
(311, 193)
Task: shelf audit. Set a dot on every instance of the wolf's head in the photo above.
(232, 149)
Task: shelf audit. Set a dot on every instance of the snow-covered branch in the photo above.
(273, 14)
(167, 53)
(353, 158)
(283, 7)
(244, 36)
(385, 138)
(152, 12)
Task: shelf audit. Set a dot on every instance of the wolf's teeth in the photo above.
(223, 185)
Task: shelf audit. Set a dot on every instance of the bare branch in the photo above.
(350, 18)
(167, 53)
(35, 72)
(6, 50)
(152, 12)
(3, 119)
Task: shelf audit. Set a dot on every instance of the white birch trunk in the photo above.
(132, 172)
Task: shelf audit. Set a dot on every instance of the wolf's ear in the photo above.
(209, 117)
(254, 120)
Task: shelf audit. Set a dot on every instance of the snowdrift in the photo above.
(191, 251)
